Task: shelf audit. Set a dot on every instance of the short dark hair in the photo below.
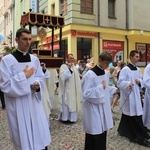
(22, 30)
(133, 52)
(104, 56)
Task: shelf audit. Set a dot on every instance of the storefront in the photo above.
(82, 40)
(115, 48)
(84, 43)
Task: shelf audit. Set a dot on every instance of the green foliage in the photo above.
(8, 49)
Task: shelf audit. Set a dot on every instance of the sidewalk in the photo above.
(70, 136)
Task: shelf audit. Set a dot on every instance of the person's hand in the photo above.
(56, 91)
(104, 84)
(131, 85)
(117, 90)
(137, 81)
(81, 75)
(34, 86)
(28, 71)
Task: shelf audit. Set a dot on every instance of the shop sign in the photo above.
(49, 46)
(49, 39)
(115, 48)
(148, 53)
(144, 52)
(86, 34)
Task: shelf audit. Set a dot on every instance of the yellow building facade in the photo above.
(128, 40)
(84, 35)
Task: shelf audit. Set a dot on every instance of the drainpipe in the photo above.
(127, 15)
(127, 27)
(127, 40)
(98, 7)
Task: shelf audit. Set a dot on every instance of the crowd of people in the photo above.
(29, 89)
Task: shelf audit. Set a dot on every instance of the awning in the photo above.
(38, 19)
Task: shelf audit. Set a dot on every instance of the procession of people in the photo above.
(29, 88)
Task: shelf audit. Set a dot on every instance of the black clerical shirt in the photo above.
(132, 67)
(98, 71)
(21, 57)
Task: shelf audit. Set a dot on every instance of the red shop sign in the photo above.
(113, 45)
(49, 46)
(81, 33)
(49, 39)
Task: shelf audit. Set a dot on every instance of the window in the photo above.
(84, 46)
(6, 19)
(111, 8)
(53, 9)
(64, 7)
(87, 6)
(12, 13)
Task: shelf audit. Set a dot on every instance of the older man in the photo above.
(69, 90)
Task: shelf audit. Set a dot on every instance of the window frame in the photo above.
(86, 7)
(53, 9)
(64, 7)
(112, 13)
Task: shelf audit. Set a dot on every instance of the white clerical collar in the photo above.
(67, 63)
(100, 67)
(133, 64)
(24, 53)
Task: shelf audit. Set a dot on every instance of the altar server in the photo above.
(146, 82)
(97, 114)
(130, 83)
(21, 80)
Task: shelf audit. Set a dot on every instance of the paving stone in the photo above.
(70, 136)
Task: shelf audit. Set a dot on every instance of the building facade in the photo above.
(1, 25)
(115, 26)
(93, 26)
(7, 22)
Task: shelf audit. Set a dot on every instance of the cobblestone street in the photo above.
(70, 136)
